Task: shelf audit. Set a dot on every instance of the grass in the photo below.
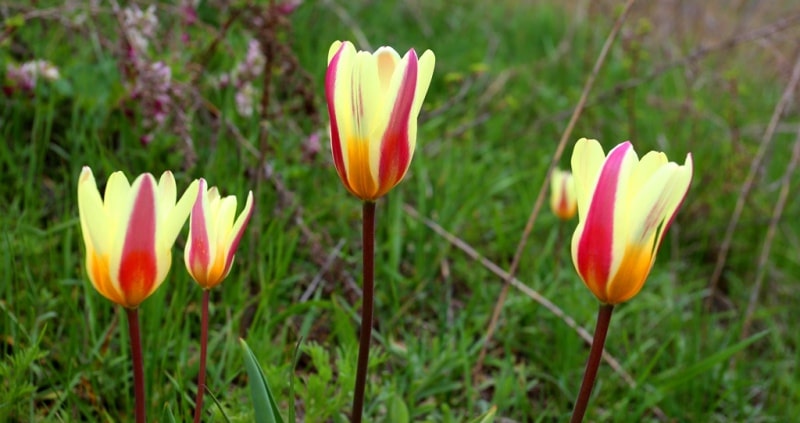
(505, 83)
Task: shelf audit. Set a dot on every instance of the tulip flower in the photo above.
(129, 236)
(373, 103)
(214, 236)
(625, 206)
(130, 232)
(213, 239)
(562, 194)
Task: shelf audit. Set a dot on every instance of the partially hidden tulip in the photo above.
(373, 103)
(562, 194)
(214, 235)
(129, 233)
(625, 206)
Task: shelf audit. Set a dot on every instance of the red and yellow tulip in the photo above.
(562, 194)
(129, 233)
(373, 103)
(214, 235)
(625, 206)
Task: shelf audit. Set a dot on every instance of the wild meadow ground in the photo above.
(186, 87)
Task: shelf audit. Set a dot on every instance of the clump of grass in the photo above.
(507, 80)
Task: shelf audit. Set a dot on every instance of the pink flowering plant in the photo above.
(368, 211)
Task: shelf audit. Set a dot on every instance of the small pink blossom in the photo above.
(25, 75)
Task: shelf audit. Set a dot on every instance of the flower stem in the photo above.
(138, 372)
(557, 249)
(600, 331)
(368, 241)
(201, 377)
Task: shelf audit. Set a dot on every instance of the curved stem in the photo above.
(600, 332)
(368, 240)
(201, 377)
(136, 354)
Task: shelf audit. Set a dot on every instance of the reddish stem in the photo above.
(136, 353)
(368, 240)
(201, 377)
(600, 332)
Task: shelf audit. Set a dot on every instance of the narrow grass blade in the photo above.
(487, 417)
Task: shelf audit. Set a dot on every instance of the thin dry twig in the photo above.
(694, 56)
(747, 186)
(312, 287)
(540, 198)
(777, 211)
(528, 291)
(348, 20)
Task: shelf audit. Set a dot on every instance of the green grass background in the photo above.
(507, 77)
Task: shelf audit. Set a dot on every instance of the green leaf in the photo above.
(487, 417)
(168, 416)
(15, 21)
(266, 411)
(398, 411)
(680, 375)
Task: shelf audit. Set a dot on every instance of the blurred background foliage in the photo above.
(233, 91)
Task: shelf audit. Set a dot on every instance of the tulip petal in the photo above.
(333, 50)
(116, 200)
(138, 267)
(425, 67)
(331, 90)
(92, 213)
(587, 160)
(596, 245)
(387, 60)
(676, 194)
(373, 103)
(393, 150)
(196, 254)
(238, 230)
(631, 274)
(176, 217)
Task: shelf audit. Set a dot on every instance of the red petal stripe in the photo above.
(198, 253)
(330, 95)
(138, 265)
(395, 151)
(595, 247)
(235, 244)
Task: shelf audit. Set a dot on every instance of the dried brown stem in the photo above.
(529, 292)
(696, 55)
(777, 211)
(540, 198)
(747, 186)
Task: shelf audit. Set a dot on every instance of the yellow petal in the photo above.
(178, 213)
(387, 60)
(425, 67)
(587, 160)
(335, 48)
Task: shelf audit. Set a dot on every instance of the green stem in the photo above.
(368, 240)
(557, 254)
(136, 353)
(600, 332)
(201, 377)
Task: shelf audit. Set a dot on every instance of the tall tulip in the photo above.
(562, 194)
(625, 206)
(129, 236)
(214, 235)
(373, 103)
(213, 239)
(130, 233)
